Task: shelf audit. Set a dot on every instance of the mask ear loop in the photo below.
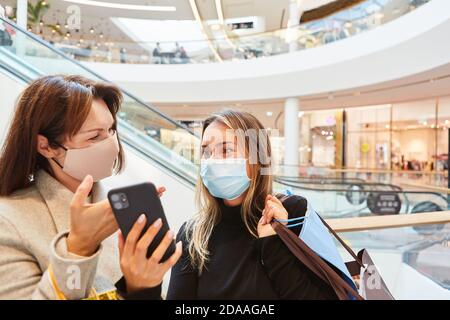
(54, 160)
(292, 220)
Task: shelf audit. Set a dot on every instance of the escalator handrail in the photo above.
(18, 61)
(326, 181)
(298, 183)
(63, 55)
(366, 191)
(15, 73)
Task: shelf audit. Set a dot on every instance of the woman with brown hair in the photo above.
(56, 240)
(230, 249)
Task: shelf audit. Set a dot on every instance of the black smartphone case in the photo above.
(142, 198)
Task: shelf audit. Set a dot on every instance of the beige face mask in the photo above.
(97, 160)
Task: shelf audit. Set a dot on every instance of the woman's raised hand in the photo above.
(90, 224)
(273, 209)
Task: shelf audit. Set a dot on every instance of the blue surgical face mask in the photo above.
(318, 238)
(225, 178)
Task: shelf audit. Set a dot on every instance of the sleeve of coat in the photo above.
(21, 276)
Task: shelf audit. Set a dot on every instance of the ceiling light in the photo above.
(269, 113)
(123, 6)
(301, 113)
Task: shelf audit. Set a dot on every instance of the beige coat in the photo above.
(33, 229)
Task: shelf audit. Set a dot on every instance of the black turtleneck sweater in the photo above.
(243, 267)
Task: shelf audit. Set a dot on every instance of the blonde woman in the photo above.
(230, 249)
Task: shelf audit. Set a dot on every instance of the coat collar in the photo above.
(57, 198)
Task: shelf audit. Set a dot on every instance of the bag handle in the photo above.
(314, 263)
(341, 241)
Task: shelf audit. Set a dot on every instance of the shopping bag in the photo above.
(318, 254)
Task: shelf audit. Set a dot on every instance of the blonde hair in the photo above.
(199, 229)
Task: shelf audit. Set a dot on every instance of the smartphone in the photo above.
(128, 203)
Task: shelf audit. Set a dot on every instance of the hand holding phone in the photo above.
(146, 245)
(128, 203)
(139, 271)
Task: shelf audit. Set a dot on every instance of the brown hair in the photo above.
(55, 107)
(199, 229)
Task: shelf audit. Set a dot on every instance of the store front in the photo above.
(402, 136)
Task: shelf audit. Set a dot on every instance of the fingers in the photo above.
(269, 214)
(169, 263)
(121, 243)
(268, 211)
(273, 209)
(276, 200)
(268, 204)
(162, 247)
(161, 191)
(82, 192)
(133, 236)
(147, 238)
(261, 221)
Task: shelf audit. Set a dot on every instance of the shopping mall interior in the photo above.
(355, 95)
